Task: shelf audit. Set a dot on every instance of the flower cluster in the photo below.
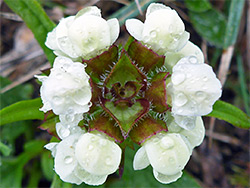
(154, 92)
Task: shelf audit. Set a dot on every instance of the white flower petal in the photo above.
(92, 10)
(114, 29)
(63, 131)
(98, 155)
(91, 34)
(194, 88)
(52, 147)
(140, 159)
(196, 135)
(72, 178)
(65, 161)
(66, 90)
(186, 122)
(88, 178)
(135, 28)
(51, 40)
(189, 49)
(166, 179)
(167, 153)
(155, 7)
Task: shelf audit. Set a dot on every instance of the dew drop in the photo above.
(64, 132)
(108, 161)
(59, 76)
(69, 117)
(68, 159)
(181, 99)
(57, 100)
(153, 33)
(161, 42)
(205, 78)
(200, 95)
(167, 143)
(89, 104)
(192, 59)
(178, 78)
(90, 147)
(171, 28)
(103, 142)
(171, 160)
(62, 41)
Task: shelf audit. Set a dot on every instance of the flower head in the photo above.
(66, 90)
(83, 36)
(87, 158)
(193, 88)
(163, 30)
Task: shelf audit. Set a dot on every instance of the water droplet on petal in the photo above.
(171, 28)
(192, 59)
(103, 142)
(181, 99)
(205, 78)
(68, 159)
(108, 161)
(167, 143)
(89, 104)
(90, 147)
(178, 78)
(200, 95)
(153, 34)
(171, 160)
(59, 76)
(64, 132)
(57, 100)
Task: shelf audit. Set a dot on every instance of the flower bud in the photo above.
(163, 30)
(194, 88)
(66, 90)
(85, 35)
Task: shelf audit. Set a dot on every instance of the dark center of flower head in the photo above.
(128, 90)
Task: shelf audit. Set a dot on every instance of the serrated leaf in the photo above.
(157, 92)
(107, 126)
(99, 65)
(210, 25)
(147, 128)
(23, 110)
(124, 71)
(144, 57)
(198, 5)
(126, 115)
(36, 19)
(231, 114)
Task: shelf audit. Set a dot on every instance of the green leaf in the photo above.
(47, 164)
(23, 110)
(147, 128)
(36, 19)
(57, 182)
(198, 5)
(144, 178)
(4, 149)
(50, 125)
(235, 12)
(231, 114)
(12, 168)
(141, 55)
(157, 92)
(210, 25)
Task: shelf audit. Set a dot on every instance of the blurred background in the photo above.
(222, 160)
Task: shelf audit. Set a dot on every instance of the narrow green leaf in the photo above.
(23, 110)
(243, 85)
(36, 19)
(231, 114)
(198, 5)
(131, 10)
(47, 164)
(235, 12)
(210, 25)
(4, 149)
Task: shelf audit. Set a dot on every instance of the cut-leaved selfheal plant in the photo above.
(153, 93)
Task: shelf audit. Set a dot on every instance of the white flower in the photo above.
(163, 29)
(85, 35)
(194, 136)
(98, 155)
(87, 158)
(194, 88)
(167, 153)
(189, 49)
(66, 90)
